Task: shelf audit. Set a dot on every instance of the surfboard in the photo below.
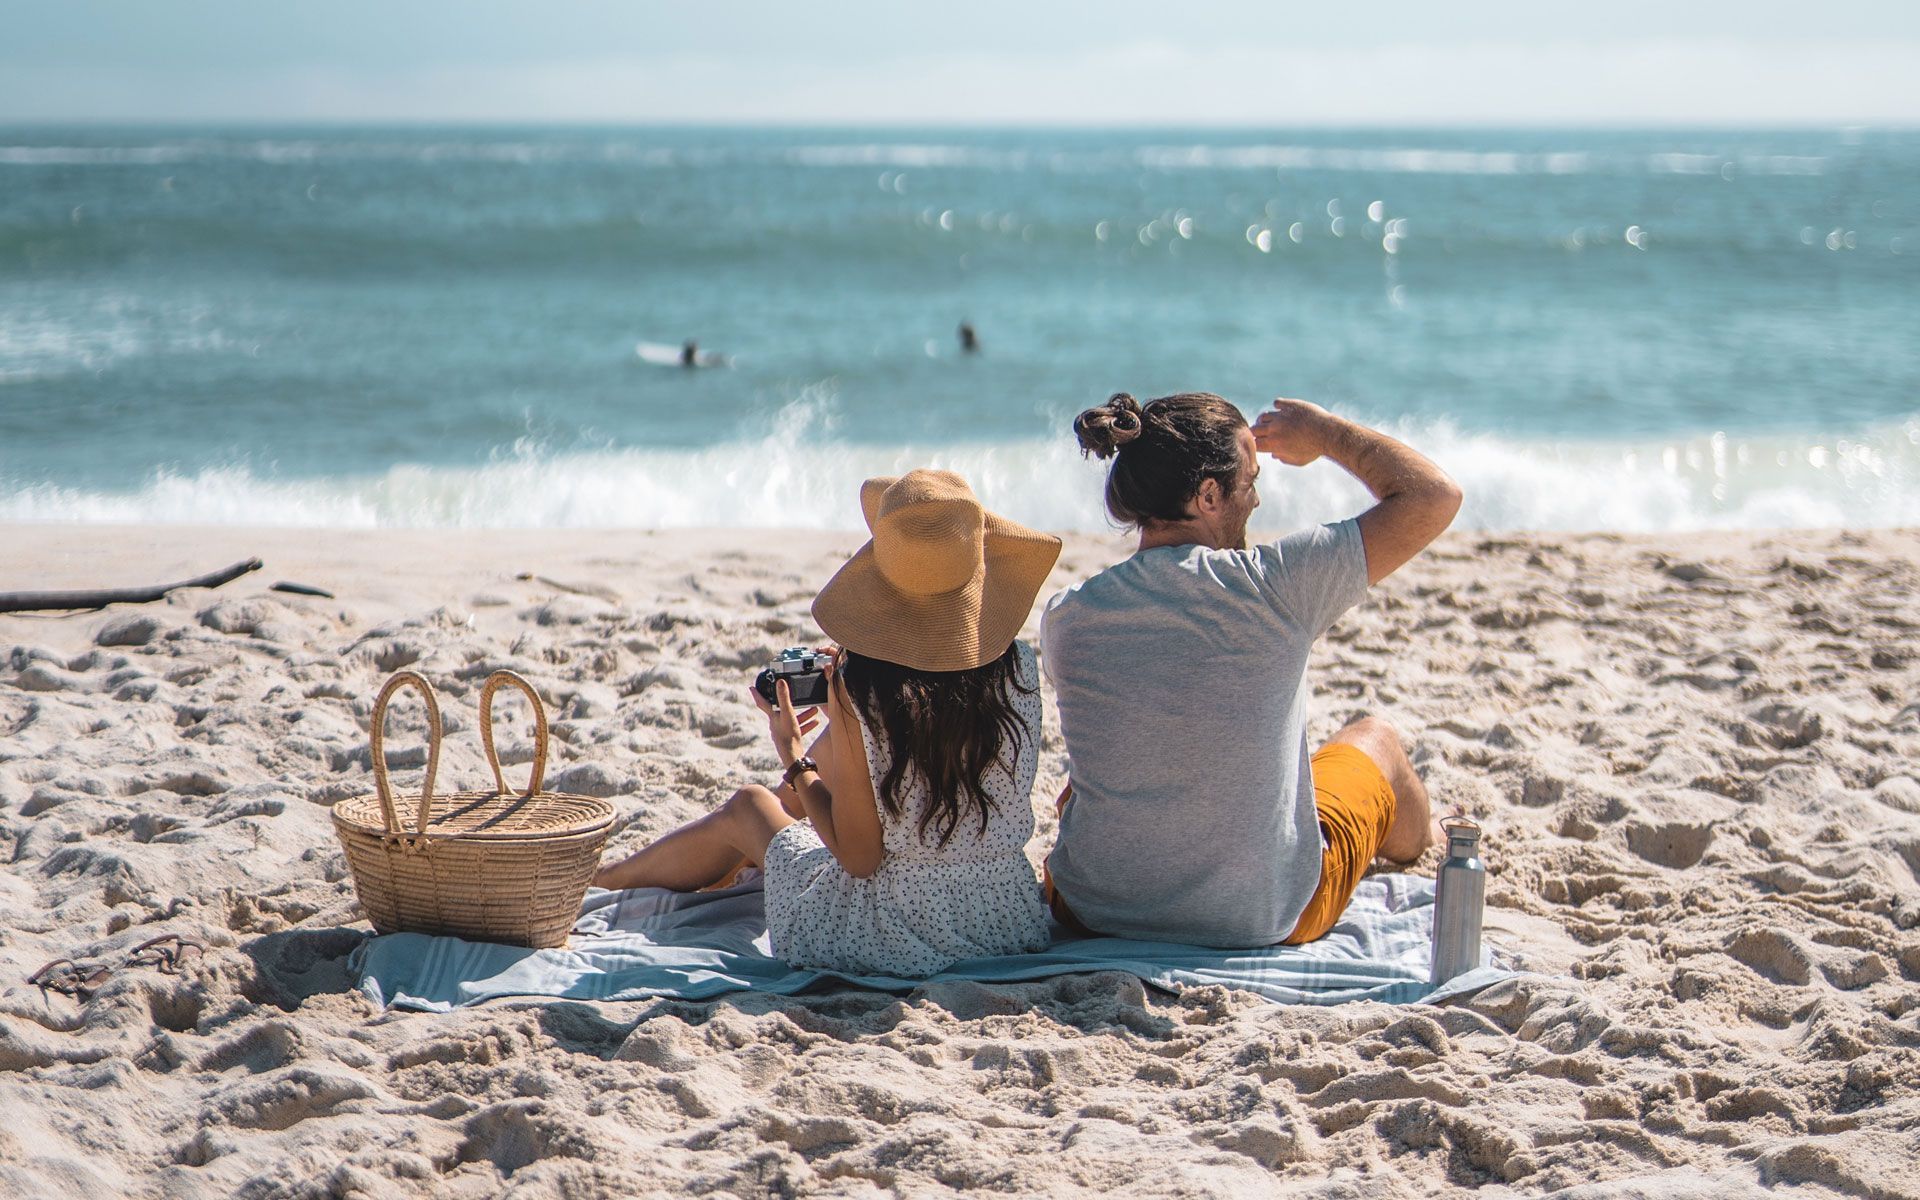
(660, 354)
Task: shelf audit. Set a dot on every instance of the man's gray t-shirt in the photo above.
(1181, 677)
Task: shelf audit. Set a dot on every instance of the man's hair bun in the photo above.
(1103, 430)
(1183, 441)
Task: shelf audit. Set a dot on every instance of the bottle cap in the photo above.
(1463, 834)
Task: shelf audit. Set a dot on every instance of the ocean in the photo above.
(477, 327)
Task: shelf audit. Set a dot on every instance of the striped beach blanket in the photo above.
(650, 943)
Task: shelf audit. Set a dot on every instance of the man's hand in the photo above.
(1416, 499)
(1295, 432)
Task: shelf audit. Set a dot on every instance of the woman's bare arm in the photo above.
(838, 796)
(840, 802)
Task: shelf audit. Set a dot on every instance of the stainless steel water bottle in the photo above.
(1460, 894)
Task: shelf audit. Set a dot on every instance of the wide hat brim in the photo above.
(959, 629)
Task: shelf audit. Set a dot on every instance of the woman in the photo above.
(896, 844)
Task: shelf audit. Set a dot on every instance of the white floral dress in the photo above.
(928, 906)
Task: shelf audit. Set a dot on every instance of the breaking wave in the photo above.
(798, 477)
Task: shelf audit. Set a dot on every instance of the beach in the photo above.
(1696, 758)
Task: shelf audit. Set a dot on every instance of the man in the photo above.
(1195, 812)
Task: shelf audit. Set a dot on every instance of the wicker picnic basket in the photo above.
(494, 866)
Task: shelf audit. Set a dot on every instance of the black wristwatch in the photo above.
(803, 763)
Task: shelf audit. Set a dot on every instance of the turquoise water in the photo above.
(415, 326)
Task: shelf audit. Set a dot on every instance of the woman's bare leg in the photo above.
(702, 852)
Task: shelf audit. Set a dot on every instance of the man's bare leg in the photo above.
(1414, 828)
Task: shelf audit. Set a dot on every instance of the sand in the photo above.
(1696, 760)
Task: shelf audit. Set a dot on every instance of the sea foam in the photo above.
(800, 477)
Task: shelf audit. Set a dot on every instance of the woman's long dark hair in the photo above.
(944, 727)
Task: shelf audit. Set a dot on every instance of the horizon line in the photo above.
(955, 123)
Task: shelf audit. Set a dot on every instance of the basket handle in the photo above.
(495, 682)
(404, 679)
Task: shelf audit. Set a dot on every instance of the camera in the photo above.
(805, 671)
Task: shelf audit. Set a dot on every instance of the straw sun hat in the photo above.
(944, 585)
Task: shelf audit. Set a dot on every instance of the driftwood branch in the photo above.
(593, 591)
(100, 598)
(301, 589)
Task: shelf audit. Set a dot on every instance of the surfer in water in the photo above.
(969, 341)
(685, 356)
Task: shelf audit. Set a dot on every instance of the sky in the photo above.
(990, 62)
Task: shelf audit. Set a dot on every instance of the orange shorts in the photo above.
(1355, 804)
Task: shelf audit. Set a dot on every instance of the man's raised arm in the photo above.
(1416, 499)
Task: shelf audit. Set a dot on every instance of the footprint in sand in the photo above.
(1676, 845)
(1775, 956)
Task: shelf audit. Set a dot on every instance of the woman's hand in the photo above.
(788, 729)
